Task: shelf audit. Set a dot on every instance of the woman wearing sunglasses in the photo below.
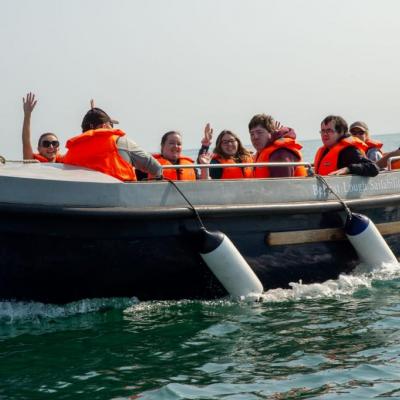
(228, 150)
(360, 130)
(48, 144)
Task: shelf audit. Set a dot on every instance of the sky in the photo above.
(160, 65)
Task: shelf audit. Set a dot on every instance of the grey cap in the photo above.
(360, 125)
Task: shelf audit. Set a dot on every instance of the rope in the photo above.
(187, 200)
(341, 201)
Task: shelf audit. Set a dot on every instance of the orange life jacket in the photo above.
(96, 149)
(373, 144)
(265, 155)
(325, 164)
(395, 164)
(179, 174)
(235, 172)
(39, 157)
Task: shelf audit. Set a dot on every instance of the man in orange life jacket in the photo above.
(274, 143)
(108, 150)
(341, 153)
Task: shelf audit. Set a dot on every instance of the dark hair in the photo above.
(165, 137)
(264, 120)
(95, 117)
(43, 135)
(241, 152)
(338, 122)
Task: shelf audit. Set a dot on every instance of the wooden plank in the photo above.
(389, 228)
(322, 235)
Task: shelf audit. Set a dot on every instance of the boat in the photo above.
(69, 233)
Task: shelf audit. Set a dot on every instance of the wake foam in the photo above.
(18, 311)
(362, 277)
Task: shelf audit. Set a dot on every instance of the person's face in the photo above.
(48, 147)
(328, 134)
(260, 137)
(229, 145)
(359, 133)
(105, 125)
(172, 148)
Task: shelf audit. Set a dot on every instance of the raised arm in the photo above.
(28, 105)
(205, 141)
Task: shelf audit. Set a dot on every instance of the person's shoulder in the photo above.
(350, 153)
(283, 155)
(39, 157)
(186, 159)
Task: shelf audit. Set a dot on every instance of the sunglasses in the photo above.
(48, 143)
(230, 141)
(357, 132)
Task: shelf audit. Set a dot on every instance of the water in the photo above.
(334, 340)
(339, 339)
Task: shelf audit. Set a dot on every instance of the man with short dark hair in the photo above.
(274, 143)
(108, 150)
(341, 153)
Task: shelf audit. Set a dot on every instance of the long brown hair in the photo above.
(241, 153)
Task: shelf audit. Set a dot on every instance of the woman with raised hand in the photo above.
(48, 144)
(228, 150)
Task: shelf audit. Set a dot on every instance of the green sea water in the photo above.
(340, 339)
(336, 340)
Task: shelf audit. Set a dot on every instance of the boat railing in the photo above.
(390, 160)
(253, 165)
(309, 166)
(4, 160)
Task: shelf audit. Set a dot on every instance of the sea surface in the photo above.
(335, 340)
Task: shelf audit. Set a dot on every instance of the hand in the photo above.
(29, 104)
(208, 134)
(205, 158)
(277, 126)
(341, 171)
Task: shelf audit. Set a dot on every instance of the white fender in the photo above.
(367, 241)
(229, 266)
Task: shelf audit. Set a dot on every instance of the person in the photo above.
(108, 150)
(228, 150)
(383, 162)
(48, 144)
(341, 153)
(360, 130)
(171, 154)
(274, 143)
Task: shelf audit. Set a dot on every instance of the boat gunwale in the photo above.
(309, 207)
